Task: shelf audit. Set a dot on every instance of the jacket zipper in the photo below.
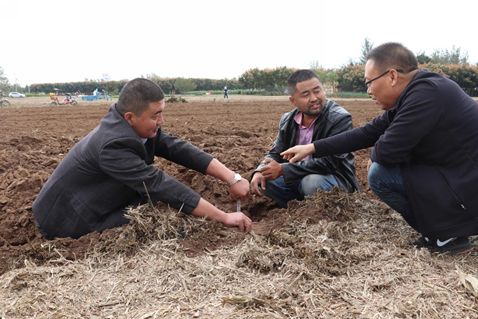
(455, 195)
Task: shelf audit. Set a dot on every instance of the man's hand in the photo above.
(272, 169)
(258, 183)
(298, 152)
(208, 210)
(369, 163)
(239, 189)
(238, 220)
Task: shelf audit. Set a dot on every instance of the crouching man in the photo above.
(112, 168)
(314, 117)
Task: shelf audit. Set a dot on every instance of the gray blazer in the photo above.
(108, 170)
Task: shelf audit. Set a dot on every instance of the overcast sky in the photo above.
(72, 40)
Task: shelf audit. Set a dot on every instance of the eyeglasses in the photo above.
(377, 77)
(367, 83)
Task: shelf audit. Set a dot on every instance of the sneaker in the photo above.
(451, 245)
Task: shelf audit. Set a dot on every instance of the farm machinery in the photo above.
(68, 100)
(97, 95)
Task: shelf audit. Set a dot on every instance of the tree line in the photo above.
(169, 85)
(450, 63)
(348, 78)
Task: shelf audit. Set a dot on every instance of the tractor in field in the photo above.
(68, 100)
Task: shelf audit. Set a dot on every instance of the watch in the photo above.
(236, 179)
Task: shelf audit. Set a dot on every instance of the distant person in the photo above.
(54, 98)
(112, 168)
(425, 148)
(226, 95)
(104, 94)
(313, 118)
(96, 92)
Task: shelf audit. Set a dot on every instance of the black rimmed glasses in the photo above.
(377, 77)
(367, 83)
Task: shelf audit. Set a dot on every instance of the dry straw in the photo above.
(332, 256)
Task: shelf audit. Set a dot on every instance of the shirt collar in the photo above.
(298, 119)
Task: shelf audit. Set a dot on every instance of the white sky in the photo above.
(72, 40)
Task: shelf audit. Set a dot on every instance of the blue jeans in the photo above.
(387, 183)
(281, 193)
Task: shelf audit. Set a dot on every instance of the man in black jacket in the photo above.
(112, 167)
(425, 148)
(313, 118)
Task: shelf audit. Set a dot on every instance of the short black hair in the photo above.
(393, 55)
(299, 76)
(136, 95)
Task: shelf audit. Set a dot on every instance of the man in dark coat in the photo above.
(112, 167)
(314, 117)
(425, 148)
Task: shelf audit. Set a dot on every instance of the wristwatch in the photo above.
(236, 179)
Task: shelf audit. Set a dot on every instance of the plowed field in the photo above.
(34, 138)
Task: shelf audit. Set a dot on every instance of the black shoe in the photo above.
(452, 245)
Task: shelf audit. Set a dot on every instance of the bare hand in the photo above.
(238, 220)
(369, 163)
(240, 189)
(258, 183)
(298, 152)
(272, 170)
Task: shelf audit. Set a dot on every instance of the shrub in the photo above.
(176, 99)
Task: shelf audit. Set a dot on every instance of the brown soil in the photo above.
(33, 140)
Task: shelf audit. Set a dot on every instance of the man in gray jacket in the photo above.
(313, 118)
(112, 167)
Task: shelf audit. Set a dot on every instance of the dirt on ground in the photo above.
(333, 255)
(33, 140)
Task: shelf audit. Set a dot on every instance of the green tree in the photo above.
(328, 77)
(251, 79)
(465, 75)
(423, 58)
(350, 78)
(184, 85)
(270, 80)
(166, 84)
(4, 84)
(367, 46)
(453, 56)
(86, 87)
(278, 79)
